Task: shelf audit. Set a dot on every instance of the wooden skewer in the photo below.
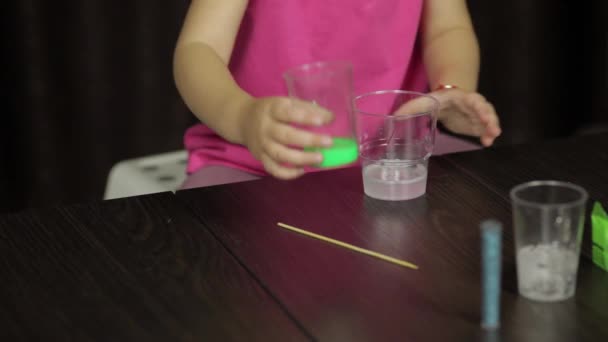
(349, 246)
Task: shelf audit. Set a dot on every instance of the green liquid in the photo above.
(343, 151)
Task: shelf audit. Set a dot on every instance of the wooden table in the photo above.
(210, 264)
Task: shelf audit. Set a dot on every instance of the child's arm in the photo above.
(202, 77)
(202, 53)
(451, 56)
(449, 45)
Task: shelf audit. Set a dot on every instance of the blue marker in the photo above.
(491, 236)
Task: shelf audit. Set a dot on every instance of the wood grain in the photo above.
(148, 268)
(341, 295)
(580, 160)
(137, 269)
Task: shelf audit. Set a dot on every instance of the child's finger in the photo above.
(487, 141)
(285, 155)
(289, 135)
(302, 113)
(279, 171)
(492, 129)
(490, 134)
(493, 120)
(486, 115)
(482, 112)
(476, 106)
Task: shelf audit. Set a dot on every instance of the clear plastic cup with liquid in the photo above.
(396, 134)
(329, 85)
(548, 218)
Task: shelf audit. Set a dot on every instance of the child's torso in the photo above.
(377, 36)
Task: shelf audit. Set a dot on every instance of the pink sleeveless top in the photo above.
(377, 36)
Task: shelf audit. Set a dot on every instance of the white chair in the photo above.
(146, 175)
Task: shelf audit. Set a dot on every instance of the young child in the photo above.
(231, 55)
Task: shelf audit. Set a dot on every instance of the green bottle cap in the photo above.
(343, 151)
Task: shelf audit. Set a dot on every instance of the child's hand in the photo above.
(269, 135)
(468, 113)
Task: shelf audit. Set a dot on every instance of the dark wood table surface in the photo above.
(211, 264)
(136, 269)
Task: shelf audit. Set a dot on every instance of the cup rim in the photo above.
(290, 74)
(433, 113)
(518, 200)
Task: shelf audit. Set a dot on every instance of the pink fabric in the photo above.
(445, 144)
(216, 175)
(377, 36)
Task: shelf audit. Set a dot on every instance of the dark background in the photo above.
(88, 83)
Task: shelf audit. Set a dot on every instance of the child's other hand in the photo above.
(269, 134)
(468, 113)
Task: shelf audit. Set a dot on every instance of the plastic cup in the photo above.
(396, 134)
(329, 85)
(548, 217)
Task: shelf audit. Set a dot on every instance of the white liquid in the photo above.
(394, 180)
(546, 272)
